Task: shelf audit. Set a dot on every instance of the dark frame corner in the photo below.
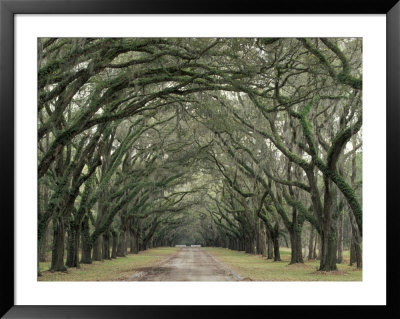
(9, 8)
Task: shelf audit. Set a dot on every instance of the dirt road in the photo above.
(190, 264)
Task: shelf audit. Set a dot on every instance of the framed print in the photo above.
(232, 155)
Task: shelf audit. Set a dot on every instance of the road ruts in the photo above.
(190, 264)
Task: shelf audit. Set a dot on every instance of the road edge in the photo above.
(140, 274)
(223, 265)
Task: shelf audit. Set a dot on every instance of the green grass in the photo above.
(117, 269)
(257, 268)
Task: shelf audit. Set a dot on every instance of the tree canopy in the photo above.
(230, 142)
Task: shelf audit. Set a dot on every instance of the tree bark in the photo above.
(252, 245)
(314, 256)
(356, 244)
(125, 242)
(353, 258)
(329, 248)
(270, 247)
(97, 245)
(306, 250)
(121, 244)
(263, 240)
(311, 247)
(319, 254)
(134, 243)
(277, 254)
(114, 244)
(295, 242)
(86, 247)
(328, 231)
(106, 245)
(73, 246)
(340, 239)
(57, 256)
(44, 245)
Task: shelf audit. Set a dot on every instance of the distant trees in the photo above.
(242, 141)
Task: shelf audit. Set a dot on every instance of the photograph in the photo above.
(199, 159)
(165, 159)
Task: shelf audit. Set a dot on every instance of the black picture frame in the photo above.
(8, 10)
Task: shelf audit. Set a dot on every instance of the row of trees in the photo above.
(146, 142)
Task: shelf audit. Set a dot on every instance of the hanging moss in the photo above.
(49, 68)
(346, 78)
(350, 195)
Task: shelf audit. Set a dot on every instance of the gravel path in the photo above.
(190, 264)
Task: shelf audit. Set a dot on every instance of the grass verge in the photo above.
(257, 268)
(109, 270)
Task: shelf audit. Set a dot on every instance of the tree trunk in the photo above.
(296, 247)
(114, 244)
(356, 254)
(121, 244)
(329, 230)
(73, 246)
(134, 243)
(246, 243)
(125, 242)
(311, 247)
(314, 256)
(277, 255)
(319, 247)
(86, 247)
(352, 252)
(263, 241)
(253, 244)
(257, 231)
(329, 248)
(306, 250)
(270, 250)
(44, 245)
(44, 231)
(39, 274)
(57, 256)
(340, 239)
(97, 253)
(106, 245)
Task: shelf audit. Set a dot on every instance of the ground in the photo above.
(201, 264)
(257, 268)
(119, 269)
(190, 264)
